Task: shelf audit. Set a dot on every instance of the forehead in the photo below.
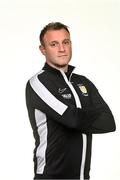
(56, 35)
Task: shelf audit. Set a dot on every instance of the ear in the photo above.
(42, 49)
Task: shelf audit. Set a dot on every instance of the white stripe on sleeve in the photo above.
(47, 96)
(40, 118)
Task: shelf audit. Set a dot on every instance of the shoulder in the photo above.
(82, 78)
(35, 77)
(32, 81)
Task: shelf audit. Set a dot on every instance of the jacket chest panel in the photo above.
(83, 94)
(58, 87)
(63, 91)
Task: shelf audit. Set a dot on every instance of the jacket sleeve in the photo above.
(57, 110)
(104, 123)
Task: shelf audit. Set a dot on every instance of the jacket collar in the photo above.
(57, 72)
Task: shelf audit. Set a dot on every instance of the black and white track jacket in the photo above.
(65, 109)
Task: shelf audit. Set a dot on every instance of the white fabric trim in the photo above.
(84, 136)
(40, 118)
(47, 96)
(77, 100)
(83, 156)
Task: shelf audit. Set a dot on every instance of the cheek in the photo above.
(50, 53)
(69, 50)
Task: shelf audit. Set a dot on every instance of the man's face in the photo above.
(57, 48)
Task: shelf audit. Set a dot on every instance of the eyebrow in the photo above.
(55, 41)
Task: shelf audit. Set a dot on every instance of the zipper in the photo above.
(84, 136)
(78, 103)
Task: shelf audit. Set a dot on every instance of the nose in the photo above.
(61, 48)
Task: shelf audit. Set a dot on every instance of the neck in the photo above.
(64, 68)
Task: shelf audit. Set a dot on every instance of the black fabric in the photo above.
(64, 138)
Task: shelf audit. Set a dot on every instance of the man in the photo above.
(65, 109)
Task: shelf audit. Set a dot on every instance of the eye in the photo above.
(66, 42)
(54, 44)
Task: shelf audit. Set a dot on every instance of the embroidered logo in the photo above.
(67, 96)
(60, 90)
(83, 89)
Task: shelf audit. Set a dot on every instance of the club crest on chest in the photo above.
(83, 89)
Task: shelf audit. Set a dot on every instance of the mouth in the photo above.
(62, 55)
